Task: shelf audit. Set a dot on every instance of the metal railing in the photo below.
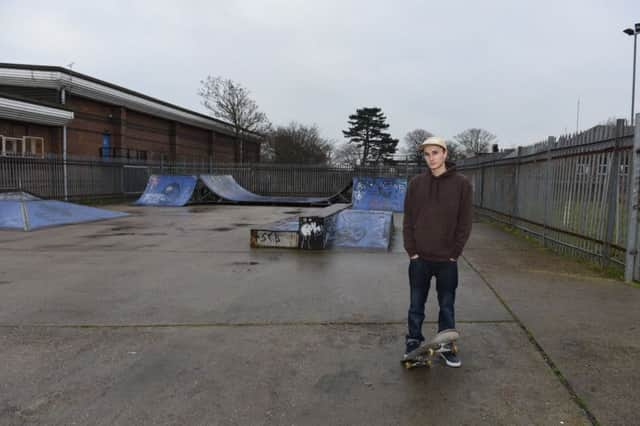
(571, 193)
(96, 178)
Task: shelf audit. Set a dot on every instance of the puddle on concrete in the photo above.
(127, 228)
(124, 234)
(221, 229)
(5, 282)
(292, 212)
(114, 234)
(104, 246)
(58, 246)
(250, 263)
(201, 209)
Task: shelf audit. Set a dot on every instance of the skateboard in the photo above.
(422, 357)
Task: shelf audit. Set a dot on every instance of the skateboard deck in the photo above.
(422, 356)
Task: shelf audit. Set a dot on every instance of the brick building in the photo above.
(45, 109)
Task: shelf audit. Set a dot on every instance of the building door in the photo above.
(106, 145)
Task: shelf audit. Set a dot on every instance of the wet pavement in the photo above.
(168, 317)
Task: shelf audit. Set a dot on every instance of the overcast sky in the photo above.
(514, 68)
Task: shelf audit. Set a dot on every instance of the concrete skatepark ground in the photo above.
(168, 317)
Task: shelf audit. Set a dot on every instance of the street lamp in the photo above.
(633, 32)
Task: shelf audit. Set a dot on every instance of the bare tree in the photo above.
(412, 141)
(414, 138)
(455, 151)
(346, 154)
(475, 141)
(297, 143)
(231, 102)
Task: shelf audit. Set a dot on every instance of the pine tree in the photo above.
(367, 131)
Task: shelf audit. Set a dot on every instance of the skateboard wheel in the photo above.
(454, 348)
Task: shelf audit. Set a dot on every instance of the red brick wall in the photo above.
(223, 148)
(131, 130)
(147, 133)
(91, 120)
(52, 135)
(251, 152)
(192, 143)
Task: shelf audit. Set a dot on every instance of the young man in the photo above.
(436, 226)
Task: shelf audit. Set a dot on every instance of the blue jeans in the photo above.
(420, 273)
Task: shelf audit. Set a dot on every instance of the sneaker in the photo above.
(450, 358)
(444, 347)
(412, 345)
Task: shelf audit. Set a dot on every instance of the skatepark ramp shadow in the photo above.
(21, 210)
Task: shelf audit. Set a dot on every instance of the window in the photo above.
(26, 146)
(12, 147)
(33, 146)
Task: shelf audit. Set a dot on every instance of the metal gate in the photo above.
(134, 179)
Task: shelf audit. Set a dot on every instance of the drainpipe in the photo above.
(63, 98)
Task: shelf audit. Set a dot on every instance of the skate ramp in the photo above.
(361, 229)
(228, 189)
(24, 211)
(280, 234)
(334, 226)
(167, 190)
(379, 193)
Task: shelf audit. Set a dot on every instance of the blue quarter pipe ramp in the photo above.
(227, 189)
(166, 190)
(361, 229)
(23, 211)
(367, 225)
(379, 193)
(329, 227)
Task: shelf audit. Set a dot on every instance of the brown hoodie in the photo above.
(437, 215)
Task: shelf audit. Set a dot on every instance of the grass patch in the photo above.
(612, 271)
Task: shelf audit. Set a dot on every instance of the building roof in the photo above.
(84, 85)
(22, 109)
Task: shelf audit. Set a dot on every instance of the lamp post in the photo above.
(633, 32)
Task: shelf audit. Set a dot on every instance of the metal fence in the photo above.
(572, 193)
(94, 178)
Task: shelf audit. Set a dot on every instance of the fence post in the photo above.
(64, 163)
(546, 188)
(494, 203)
(63, 101)
(406, 167)
(482, 173)
(632, 220)
(612, 193)
(516, 185)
